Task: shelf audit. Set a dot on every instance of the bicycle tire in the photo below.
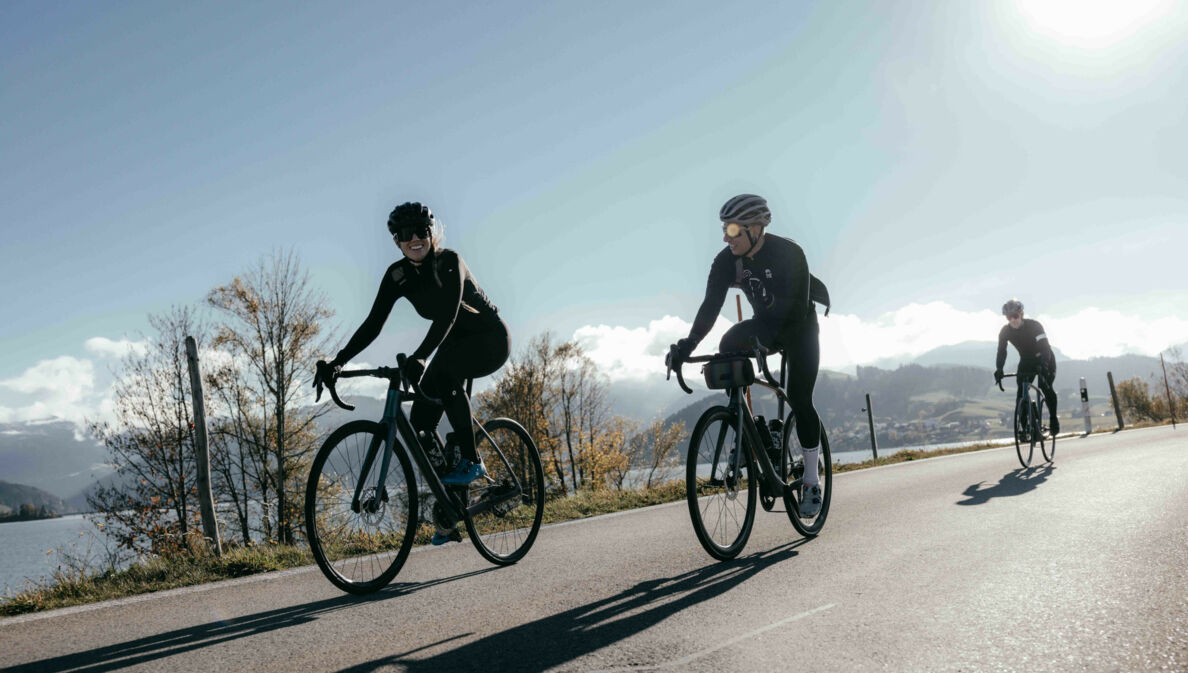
(1048, 448)
(503, 535)
(359, 552)
(807, 527)
(710, 498)
(1024, 445)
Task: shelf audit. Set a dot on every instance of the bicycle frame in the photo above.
(395, 420)
(770, 482)
(1026, 384)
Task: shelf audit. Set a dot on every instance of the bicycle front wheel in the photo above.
(793, 463)
(504, 509)
(360, 546)
(718, 484)
(1024, 441)
(1047, 438)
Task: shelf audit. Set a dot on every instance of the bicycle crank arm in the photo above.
(793, 487)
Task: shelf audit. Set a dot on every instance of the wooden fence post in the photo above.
(1114, 395)
(874, 444)
(210, 527)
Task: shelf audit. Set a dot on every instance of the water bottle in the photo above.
(776, 434)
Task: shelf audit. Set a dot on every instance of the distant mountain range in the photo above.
(12, 496)
(53, 456)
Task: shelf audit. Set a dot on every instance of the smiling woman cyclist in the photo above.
(466, 331)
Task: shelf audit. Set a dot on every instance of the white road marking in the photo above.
(737, 639)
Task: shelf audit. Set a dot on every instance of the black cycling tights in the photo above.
(803, 350)
(1024, 375)
(459, 357)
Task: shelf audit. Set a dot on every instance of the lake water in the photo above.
(30, 550)
(25, 546)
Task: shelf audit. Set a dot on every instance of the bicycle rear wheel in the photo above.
(505, 531)
(360, 549)
(795, 470)
(1024, 442)
(718, 485)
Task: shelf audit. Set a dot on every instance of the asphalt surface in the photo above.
(962, 563)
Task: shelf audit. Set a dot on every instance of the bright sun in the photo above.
(1091, 23)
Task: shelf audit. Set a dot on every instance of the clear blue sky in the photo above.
(578, 153)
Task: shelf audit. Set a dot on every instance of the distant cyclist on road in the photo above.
(466, 331)
(1036, 359)
(773, 273)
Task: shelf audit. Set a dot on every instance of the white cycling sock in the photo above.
(810, 465)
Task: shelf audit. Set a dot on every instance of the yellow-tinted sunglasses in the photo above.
(733, 229)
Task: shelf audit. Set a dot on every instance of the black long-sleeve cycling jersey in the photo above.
(441, 289)
(1032, 343)
(776, 282)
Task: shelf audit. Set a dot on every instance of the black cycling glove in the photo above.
(413, 370)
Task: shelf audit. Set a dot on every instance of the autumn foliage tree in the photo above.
(561, 398)
(1140, 403)
(273, 331)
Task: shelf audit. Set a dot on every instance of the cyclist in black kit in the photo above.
(470, 338)
(1036, 359)
(773, 273)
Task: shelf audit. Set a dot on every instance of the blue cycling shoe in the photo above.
(465, 473)
(444, 535)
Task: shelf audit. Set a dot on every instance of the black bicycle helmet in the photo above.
(411, 214)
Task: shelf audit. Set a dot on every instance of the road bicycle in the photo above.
(728, 454)
(362, 506)
(1032, 422)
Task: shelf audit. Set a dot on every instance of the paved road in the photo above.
(961, 563)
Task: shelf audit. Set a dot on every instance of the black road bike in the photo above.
(1033, 423)
(729, 453)
(362, 504)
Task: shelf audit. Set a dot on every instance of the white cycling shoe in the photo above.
(810, 500)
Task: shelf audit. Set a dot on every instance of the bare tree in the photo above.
(274, 324)
(239, 446)
(153, 503)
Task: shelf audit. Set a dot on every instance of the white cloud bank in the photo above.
(107, 348)
(627, 353)
(63, 387)
(68, 387)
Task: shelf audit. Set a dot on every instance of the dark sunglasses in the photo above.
(1014, 316)
(406, 234)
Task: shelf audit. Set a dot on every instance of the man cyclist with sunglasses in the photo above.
(1036, 359)
(469, 337)
(773, 273)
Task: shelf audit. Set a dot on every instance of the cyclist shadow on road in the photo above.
(160, 646)
(1015, 482)
(554, 640)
